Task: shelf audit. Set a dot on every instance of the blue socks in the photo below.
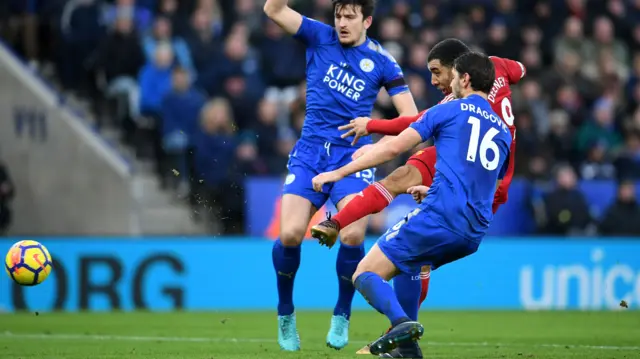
(408, 293)
(380, 295)
(346, 264)
(286, 261)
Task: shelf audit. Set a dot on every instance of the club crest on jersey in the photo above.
(366, 65)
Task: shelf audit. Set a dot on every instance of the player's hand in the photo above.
(357, 127)
(361, 151)
(418, 193)
(324, 178)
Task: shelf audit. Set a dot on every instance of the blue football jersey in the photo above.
(473, 154)
(343, 82)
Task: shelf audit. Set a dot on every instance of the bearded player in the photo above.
(419, 169)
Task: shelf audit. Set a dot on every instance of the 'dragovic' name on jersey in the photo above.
(343, 82)
(469, 107)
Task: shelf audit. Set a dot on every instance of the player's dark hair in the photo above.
(447, 51)
(480, 68)
(366, 6)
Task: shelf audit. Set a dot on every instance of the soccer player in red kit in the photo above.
(420, 168)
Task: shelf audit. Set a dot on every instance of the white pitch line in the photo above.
(134, 338)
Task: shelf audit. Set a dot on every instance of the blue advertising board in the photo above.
(513, 218)
(100, 274)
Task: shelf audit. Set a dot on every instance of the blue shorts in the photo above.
(308, 159)
(418, 240)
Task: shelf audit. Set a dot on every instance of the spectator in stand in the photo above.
(140, 16)
(571, 40)
(565, 208)
(204, 44)
(600, 129)
(597, 165)
(274, 142)
(155, 81)
(180, 114)
(120, 58)
(178, 15)
(560, 140)
(622, 217)
(163, 34)
(628, 163)
(81, 31)
(218, 192)
(605, 44)
(283, 63)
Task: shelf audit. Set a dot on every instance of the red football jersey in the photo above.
(508, 72)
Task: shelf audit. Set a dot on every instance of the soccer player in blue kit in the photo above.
(472, 145)
(345, 72)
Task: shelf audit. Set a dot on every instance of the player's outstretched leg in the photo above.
(350, 254)
(372, 199)
(370, 281)
(296, 213)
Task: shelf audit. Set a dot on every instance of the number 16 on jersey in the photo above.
(486, 144)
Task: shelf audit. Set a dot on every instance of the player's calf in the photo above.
(401, 179)
(350, 254)
(296, 213)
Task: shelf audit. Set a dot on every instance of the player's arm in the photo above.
(307, 30)
(280, 12)
(515, 70)
(394, 126)
(382, 153)
(418, 132)
(398, 90)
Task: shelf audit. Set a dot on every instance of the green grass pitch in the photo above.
(231, 335)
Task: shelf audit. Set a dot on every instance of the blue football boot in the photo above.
(288, 337)
(338, 336)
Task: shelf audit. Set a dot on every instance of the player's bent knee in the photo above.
(401, 179)
(292, 237)
(353, 235)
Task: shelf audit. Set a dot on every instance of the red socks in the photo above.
(373, 199)
(424, 279)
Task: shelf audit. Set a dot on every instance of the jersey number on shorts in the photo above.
(486, 145)
(367, 175)
(393, 231)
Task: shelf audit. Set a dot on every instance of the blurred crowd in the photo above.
(212, 91)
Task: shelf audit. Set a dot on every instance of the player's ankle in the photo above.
(337, 223)
(400, 321)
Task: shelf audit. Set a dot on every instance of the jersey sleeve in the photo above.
(392, 127)
(427, 125)
(313, 33)
(393, 77)
(514, 71)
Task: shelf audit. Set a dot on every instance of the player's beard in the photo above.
(352, 41)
